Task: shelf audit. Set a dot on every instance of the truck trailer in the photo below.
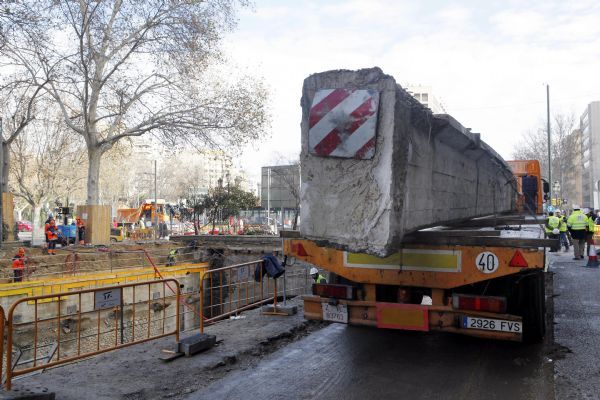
(418, 222)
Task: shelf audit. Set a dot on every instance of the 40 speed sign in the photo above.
(487, 262)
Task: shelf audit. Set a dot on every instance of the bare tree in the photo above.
(121, 69)
(45, 165)
(534, 146)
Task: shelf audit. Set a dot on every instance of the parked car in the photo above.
(24, 226)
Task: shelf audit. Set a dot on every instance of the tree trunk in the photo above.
(37, 232)
(93, 183)
(5, 165)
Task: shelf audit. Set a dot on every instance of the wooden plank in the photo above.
(97, 223)
(488, 241)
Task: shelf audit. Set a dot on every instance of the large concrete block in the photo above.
(376, 164)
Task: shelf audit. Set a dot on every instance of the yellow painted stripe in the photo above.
(444, 261)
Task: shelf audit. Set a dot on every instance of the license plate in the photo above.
(490, 324)
(337, 313)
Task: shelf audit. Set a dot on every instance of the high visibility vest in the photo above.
(320, 279)
(591, 225)
(563, 224)
(577, 221)
(552, 223)
(52, 233)
(18, 262)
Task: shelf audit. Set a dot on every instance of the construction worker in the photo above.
(316, 276)
(172, 258)
(589, 239)
(80, 230)
(18, 265)
(562, 228)
(577, 223)
(551, 227)
(52, 236)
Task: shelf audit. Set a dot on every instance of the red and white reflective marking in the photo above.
(343, 123)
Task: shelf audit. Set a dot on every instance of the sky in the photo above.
(488, 61)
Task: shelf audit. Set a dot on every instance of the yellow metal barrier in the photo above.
(88, 322)
(2, 319)
(229, 290)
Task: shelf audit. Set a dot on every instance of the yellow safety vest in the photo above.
(563, 224)
(552, 223)
(577, 221)
(591, 225)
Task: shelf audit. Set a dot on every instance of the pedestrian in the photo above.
(80, 226)
(52, 236)
(18, 265)
(562, 228)
(552, 231)
(316, 276)
(577, 224)
(589, 239)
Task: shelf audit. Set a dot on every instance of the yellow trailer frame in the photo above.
(439, 268)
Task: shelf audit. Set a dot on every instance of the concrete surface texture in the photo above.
(577, 328)
(137, 373)
(425, 170)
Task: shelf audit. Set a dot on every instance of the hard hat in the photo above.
(555, 231)
(576, 207)
(314, 271)
(21, 250)
(586, 210)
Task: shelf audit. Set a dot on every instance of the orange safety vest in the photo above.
(51, 233)
(18, 262)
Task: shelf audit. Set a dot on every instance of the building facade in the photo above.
(572, 190)
(280, 187)
(590, 145)
(425, 95)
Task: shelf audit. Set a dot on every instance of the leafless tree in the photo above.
(534, 146)
(124, 68)
(45, 164)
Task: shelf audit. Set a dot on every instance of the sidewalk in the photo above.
(136, 373)
(577, 328)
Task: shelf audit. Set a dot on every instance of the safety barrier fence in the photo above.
(229, 290)
(55, 329)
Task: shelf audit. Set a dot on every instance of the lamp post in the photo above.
(549, 140)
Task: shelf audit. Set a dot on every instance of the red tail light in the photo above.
(479, 303)
(336, 291)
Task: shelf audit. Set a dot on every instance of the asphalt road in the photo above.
(577, 329)
(345, 362)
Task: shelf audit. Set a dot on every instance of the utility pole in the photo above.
(268, 196)
(155, 204)
(549, 142)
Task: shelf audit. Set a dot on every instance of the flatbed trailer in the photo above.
(482, 278)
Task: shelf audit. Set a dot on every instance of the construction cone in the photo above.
(592, 257)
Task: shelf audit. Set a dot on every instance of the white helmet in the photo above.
(576, 207)
(314, 271)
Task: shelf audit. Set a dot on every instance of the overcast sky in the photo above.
(488, 61)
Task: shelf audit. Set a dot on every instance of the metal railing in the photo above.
(85, 323)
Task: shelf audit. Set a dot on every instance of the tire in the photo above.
(532, 306)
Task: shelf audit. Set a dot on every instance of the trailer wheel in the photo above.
(532, 305)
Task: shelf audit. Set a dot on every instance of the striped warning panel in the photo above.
(423, 260)
(343, 123)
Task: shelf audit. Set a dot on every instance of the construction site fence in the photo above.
(69, 262)
(49, 330)
(229, 290)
